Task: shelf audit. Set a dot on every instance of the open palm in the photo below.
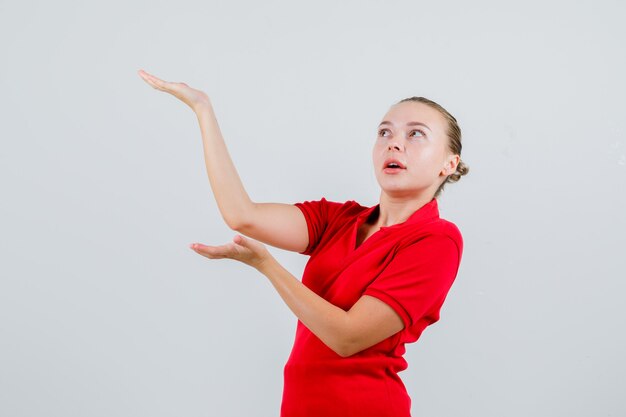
(190, 96)
(241, 249)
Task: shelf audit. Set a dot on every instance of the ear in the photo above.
(450, 165)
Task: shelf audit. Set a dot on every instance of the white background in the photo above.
(105, 311)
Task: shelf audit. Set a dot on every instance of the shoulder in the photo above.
(431, 232)
(348, 208)
(447, 228)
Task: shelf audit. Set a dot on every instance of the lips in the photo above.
(389, 163)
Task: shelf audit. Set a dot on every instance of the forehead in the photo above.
(402, 113)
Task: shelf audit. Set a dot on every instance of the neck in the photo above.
(394, 210)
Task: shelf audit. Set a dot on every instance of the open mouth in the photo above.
(393, 166)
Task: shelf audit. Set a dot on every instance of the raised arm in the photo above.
(277, 224)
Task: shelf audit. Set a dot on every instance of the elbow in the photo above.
(344, 353)
(233, 223)
(347, 341)
(238, 221)
(346, 347)
(238, 226)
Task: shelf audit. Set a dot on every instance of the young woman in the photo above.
(376, 277)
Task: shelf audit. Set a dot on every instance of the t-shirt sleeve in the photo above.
(418, 278)
(318, 214)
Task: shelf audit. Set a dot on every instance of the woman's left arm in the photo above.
(367, 323)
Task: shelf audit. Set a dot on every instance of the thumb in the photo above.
(248, 243)
(240, 240)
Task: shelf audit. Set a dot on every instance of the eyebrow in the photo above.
(387, 122)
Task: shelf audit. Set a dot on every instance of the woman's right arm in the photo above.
(277, 224)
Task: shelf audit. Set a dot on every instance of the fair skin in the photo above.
(369, 320)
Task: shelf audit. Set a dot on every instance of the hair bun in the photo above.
(461, 169)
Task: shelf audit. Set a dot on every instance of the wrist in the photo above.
(267, 265)
(203, 107)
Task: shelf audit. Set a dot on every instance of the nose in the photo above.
(394, 145)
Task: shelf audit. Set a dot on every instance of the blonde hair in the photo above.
(454, 140)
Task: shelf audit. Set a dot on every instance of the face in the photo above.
(413, 135)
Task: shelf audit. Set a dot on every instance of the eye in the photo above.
(381, 131)
(417, 130)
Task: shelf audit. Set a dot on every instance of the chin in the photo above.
(400, 189)
(391, 188)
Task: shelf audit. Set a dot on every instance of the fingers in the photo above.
(233, 250)
(240, 249)
(160, 84)
(154, 81)
(215, 252)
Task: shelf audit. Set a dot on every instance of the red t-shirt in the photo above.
(410, 266)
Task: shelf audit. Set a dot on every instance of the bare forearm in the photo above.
(231, 197)
(325, 320)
